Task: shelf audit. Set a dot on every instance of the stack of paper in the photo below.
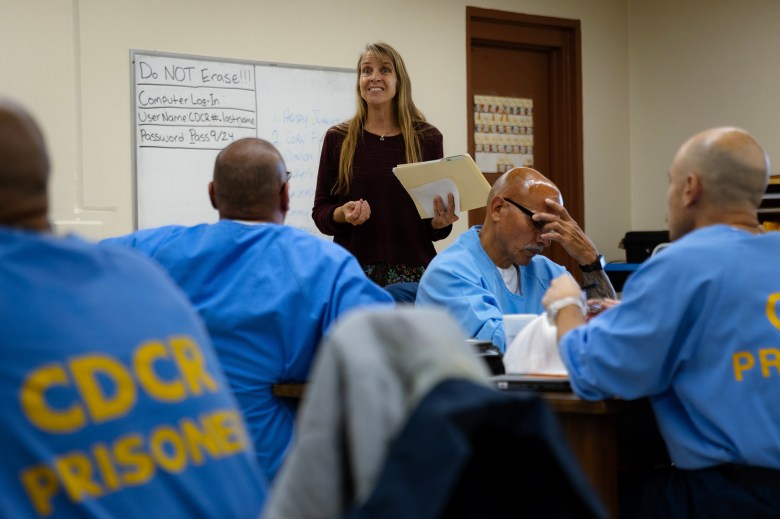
(458, 175)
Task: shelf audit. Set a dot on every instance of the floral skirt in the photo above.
(388, 273)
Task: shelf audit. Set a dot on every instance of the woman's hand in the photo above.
(443, 215)
(355, 212)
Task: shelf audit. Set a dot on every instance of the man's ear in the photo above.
(494, 206)
(213, 195)
(692, 189)
(284, 198)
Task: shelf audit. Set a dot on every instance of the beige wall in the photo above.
(68, 61)
(696, 64)
(71, 68)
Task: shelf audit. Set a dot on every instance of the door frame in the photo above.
(560, 38)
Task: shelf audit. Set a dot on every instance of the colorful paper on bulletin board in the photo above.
(503, 133)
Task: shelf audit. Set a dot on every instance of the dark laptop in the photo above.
(531, 382)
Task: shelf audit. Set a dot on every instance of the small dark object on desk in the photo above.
(490, 353)
(639, 245)
(518, 382)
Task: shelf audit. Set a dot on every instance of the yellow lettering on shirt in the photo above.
(227, 427)
(40, 483)
(191, 365)
(107, 388)
(742, 361)
(105, 466)
(75, 472)
(32, 397)
(771, 309)
(132, 461)
(174, 457)
(769, 357)
(86, 371)
(143, 363)
(198, 440)
(129, 455)
(64, 398)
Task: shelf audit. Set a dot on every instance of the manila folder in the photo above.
(458, 174)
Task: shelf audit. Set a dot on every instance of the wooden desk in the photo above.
(609, 437)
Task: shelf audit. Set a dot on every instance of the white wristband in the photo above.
(555, 307)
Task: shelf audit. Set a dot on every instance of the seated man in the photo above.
(494, 269)
(113, 400)
(698, 331)
(267, 291)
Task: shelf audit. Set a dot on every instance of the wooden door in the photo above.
(518, 55)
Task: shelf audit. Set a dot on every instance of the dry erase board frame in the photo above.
(186, 108)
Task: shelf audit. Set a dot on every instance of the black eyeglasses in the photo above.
(538, 224)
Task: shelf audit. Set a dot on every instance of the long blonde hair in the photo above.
(406, 113)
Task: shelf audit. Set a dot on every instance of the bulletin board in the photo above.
(503, 133)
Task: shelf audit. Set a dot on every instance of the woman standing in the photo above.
(359, 201)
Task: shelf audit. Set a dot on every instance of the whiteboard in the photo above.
(187, 108)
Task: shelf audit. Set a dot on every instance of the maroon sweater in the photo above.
(395, 233)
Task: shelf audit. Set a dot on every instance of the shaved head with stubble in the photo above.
(24, 170)
(250, 182)
(718, 176)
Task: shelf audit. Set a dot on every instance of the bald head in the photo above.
(509, 235)
(717, 177)
(24, 170)
(733, 166)
(525, 184)
(249, 182)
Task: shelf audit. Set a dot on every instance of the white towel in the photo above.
(535, 350)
